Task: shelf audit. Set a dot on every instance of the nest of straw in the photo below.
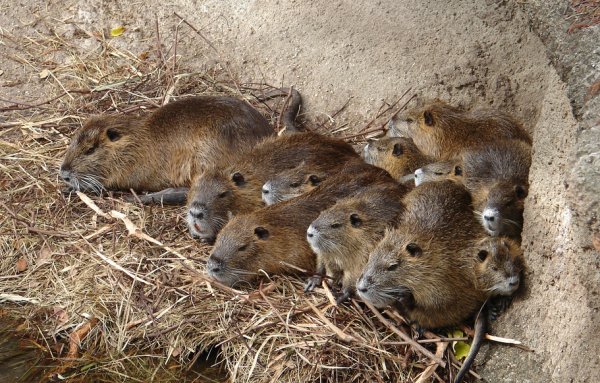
(100, 276)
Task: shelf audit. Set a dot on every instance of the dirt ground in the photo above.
(338, 52)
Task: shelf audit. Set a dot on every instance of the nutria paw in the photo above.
(312, 282)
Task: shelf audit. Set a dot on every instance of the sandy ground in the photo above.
(462, 51)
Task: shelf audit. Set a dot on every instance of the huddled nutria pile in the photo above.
(427, 221)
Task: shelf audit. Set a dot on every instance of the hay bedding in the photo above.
(127, 281)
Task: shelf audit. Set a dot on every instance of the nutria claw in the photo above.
(312, 282)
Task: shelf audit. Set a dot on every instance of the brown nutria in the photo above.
(443, 131)
(497, 175)
(343, 235)
(398, 155)
(422, 266)
(163, 149)
(501, 266)
(237, 188)
(449, 169)
(273, 237)
(499, 273)
(299, 180)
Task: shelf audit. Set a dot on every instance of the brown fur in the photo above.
(286, 224)
(299, 180)
(500, 266)
(398, 155)
(343, 235)
(242, 179)
(443, 131)
(442, 170)
(422, 266)
(166, 148)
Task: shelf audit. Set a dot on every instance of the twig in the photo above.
(439, 352)
(404, 336)
(336, 330)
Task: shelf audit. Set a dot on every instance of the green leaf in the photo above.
(118, 31)
(460, 348)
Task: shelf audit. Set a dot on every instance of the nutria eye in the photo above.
(355, 220)
(238, 178)
(428, 118)
(482, 255)
(520, 192)
(314, 180)
(243, 247)
(397, 151)
(392, 267)
(336, 225)
(457, 171)
(91, 150)
(224, 194)
(113, 135)
(413, 249)
(410, 120)
(438, 173)
(495, 268)
(261, 232)
(295, 184)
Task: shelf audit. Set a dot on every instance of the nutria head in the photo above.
(500, 266)
(103, 153)
(248, 246)
(501, 208)
(393, 271)
(291, 183)
(398, 155)
(214, 197)
(437, 171)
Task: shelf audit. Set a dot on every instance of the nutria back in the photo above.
(398, 155)
(282, 229)
(237, 187)
(443, 131)
(166, 148)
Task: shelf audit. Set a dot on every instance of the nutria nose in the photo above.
(489, 218)
(65, 175)
(214, 265)
(265, 191)
(309, 235)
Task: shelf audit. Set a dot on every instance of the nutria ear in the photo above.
(414, 249)
(113, 134)
(314, 180)
(238, 179)
(428, 118)
(397, 151)
(261, 232)
(520, 192)
(482, 255)
(355, 220)
(457, 171)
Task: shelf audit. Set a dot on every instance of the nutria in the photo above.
(497, 174)
(398, 155)
(449, 169)
(343, 235)
(299, 180)
(501, 266)
(273, 237)
(163, 149)
(443, 131)
(421, 266)
(499, 272)
(237, 188)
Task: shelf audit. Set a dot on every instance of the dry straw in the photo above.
(104, 277)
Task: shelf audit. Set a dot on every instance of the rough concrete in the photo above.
(496, 53)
